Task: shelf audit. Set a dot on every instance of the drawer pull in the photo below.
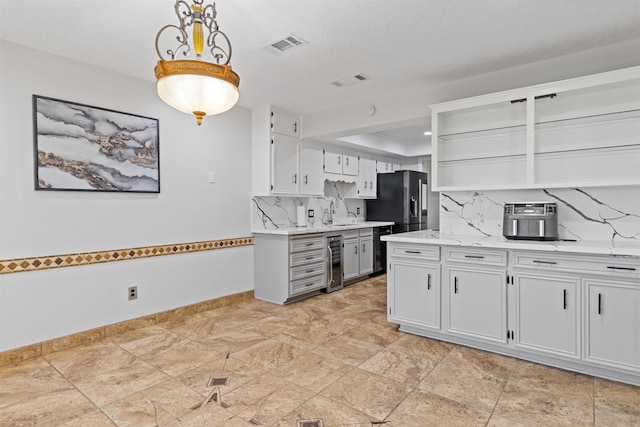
(309, 244)
(310, 271)
(308, 284)
(309, 257)
(621, 268)
(544, 262)
(413, 252)
(474, 256)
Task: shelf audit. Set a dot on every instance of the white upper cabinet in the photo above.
(311, 174)
(367, 178)
(578, 132)
(274, 153)
(333, 161)
(340, 163)
(284, 124)
(350, 164)
(285, 178)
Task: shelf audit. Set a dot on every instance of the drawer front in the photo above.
(310, 257)
(477, 256)
(308, 284)
(588, 264)
(350, 234)
(416, 252)
(366, 232)
(306, 271)
(307, 243)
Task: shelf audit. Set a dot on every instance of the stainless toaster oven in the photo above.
(530, 221)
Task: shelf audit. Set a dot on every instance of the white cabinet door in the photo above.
(414, 293)
(285, 125)
(367, 178)
(333, 161)
(350, 164)
(477, 303)
(547, 314)
(311, 176)
(351, 260)
(285, 165)
(612, 324)
(366, 255)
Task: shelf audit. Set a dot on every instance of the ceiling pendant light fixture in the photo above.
(194, 86)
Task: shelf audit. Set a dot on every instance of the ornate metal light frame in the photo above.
(195, 86)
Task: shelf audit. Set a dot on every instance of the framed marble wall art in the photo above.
(83, 148)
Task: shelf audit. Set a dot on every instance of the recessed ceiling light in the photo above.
(427, 133)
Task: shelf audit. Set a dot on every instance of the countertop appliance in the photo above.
(334, 263)
(380, 249)
(401, 198)
(530, 221)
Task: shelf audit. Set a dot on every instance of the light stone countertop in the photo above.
(596, 247)
(289, 231)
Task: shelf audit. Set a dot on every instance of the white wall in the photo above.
(35, 306)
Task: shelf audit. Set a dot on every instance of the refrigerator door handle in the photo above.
(414, 207)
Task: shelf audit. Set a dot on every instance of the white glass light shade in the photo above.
(197, 87)
(190, 93)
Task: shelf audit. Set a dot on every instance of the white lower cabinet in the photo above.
(612, 324)
(477, 303)
(357, 253)
(547, 314)
(575, 311)
(414, 293)
(350, 266)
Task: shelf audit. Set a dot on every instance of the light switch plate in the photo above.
(212, 177)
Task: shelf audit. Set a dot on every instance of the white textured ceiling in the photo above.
(401, 44)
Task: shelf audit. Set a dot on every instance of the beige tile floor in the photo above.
(333, 357)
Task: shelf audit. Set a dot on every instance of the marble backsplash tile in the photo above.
(277, 212)
(599, 213)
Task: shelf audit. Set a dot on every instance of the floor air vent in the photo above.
(218, 381)
(285, 44)
(310, 423)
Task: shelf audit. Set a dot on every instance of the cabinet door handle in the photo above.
(365, 185)
(621, 268)
(428, 281)
(295, 178)
(455, 285)
(338, 159)
(306, 179)
(544, 262)
(599, 303)
(295, 127)
(371, 184)
(346, 161)
(474, 256)
(564, 299)
(363, 248)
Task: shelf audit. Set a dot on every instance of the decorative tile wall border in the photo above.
(69, 260)
(179, 314)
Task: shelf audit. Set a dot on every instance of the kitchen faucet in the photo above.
(330, 214)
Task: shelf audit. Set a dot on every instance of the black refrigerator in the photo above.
(401, 198)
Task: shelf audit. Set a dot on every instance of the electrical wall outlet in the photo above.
(358, 210)
(310, 213)
(133, 292)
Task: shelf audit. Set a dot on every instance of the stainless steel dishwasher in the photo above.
(334, 263)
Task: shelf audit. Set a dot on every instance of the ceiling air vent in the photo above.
(351, 80)
(285, 44)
